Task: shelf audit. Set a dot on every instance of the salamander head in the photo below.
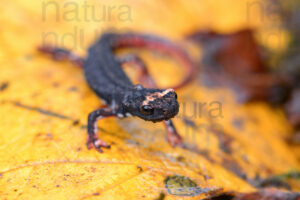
(151, 104)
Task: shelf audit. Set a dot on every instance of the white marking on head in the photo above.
(155, 95)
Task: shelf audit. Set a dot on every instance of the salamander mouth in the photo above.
(159, 118)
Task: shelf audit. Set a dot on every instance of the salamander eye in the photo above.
(146, 110)
(175, 96)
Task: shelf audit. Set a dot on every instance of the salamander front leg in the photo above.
(93, 140)
(173, 137)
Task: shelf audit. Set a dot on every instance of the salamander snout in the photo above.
(159, 105)
(171, 110)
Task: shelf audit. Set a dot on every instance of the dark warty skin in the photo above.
(105, 76)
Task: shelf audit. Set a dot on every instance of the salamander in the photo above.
(105, 76)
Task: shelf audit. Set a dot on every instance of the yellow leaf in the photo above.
(44, 107)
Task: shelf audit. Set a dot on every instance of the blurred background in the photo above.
(239, 117)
